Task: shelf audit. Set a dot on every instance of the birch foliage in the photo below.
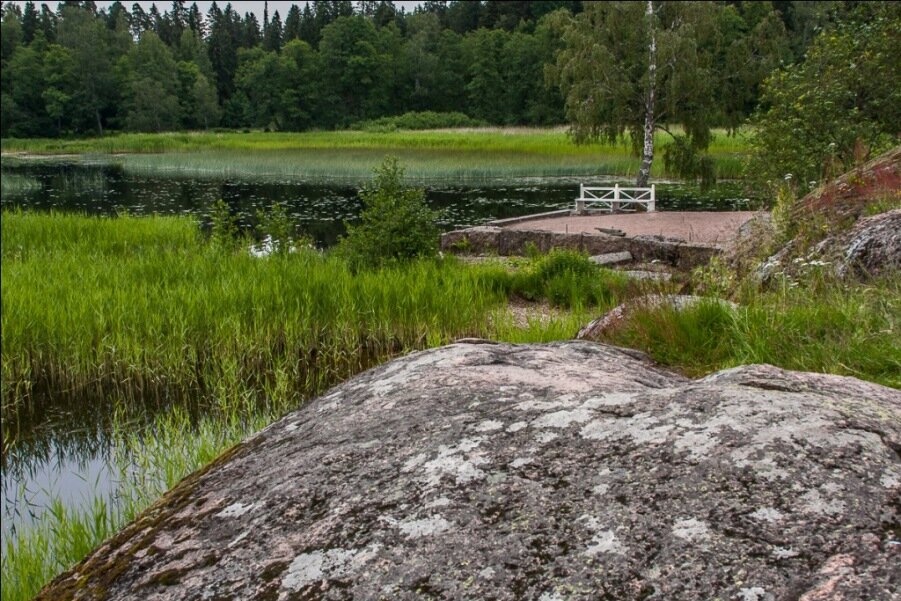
(624, 67)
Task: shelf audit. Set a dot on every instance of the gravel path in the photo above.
(693, 226)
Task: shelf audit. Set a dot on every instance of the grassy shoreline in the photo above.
(466, 154)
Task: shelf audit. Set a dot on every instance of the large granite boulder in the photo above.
(546, 472)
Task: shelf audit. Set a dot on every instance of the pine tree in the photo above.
(292, 24)
(47, 23)
(140, 21)
(272, 41)
(29, 22)
(195, 20)
(251, 36)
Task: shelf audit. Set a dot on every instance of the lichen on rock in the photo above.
(563, 471)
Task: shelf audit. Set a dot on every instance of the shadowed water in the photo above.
(320, 209)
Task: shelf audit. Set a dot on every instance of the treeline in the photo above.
(330, 64)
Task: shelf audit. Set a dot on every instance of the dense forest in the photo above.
(332, 64)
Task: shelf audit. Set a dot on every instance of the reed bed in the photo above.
(469, 154)
(145, 311)
(353, 165)
(13, 184)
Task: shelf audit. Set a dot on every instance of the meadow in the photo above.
(465, 154)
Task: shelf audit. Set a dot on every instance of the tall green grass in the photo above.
(470, 154)
(144, 313)
(822, 326)
(147, 312)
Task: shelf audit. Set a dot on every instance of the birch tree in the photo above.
(630, 69)
(647, 155)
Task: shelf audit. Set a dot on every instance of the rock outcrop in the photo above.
(850, 196)
(488, 239)
(870, 248)
(847, 227)
(538, 472)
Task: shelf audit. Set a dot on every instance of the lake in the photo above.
(319, 208)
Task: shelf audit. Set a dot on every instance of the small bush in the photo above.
(277, 226)
(395, 225)
(568, 279)
(224, 231)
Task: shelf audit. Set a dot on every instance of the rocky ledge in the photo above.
(546, 472)
(493, 240)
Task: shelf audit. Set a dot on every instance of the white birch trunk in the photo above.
(647, 154)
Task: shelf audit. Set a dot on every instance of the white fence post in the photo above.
(615, 197)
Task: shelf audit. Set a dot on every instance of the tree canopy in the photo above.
(328, 64)
(839, 106)
(627, 69)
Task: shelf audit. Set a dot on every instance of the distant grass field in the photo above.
(458, 154)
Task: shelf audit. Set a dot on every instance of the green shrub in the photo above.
(278, 227)
(224, 228)
(395, 224)
(568, 279)
(820, 116)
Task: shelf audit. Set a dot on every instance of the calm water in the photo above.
(319, 208)
(68, 455)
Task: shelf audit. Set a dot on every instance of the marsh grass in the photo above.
(140, 314)
(821, 325)
(432, 155)
(145, 311)
(13, 184)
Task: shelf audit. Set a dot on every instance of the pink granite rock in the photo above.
(538, 472)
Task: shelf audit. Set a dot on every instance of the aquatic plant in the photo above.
(431, 155)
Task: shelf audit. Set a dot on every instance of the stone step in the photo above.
(611, 258)
(611, 231)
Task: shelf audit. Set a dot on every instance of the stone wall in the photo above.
(644, 249)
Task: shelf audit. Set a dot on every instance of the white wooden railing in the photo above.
(616, 198)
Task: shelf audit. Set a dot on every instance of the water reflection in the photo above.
(72, 469)
(319, 208)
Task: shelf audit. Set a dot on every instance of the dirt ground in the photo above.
(719, 227)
